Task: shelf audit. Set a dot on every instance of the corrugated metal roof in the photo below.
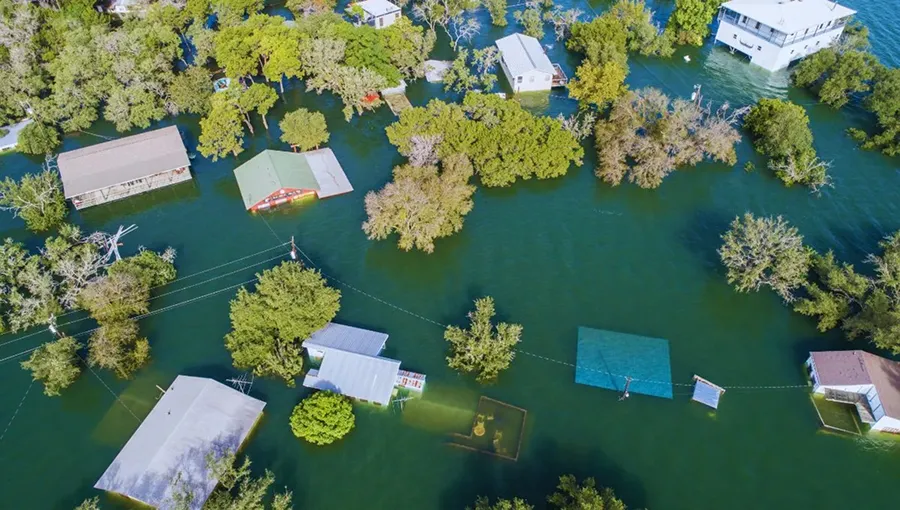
(355, 375)
(118, 161)
(789, 16)
(885, 376)
(841, 368)
(522, 53)
(329, 174)
(270, 171)
(347, 338)
(706, 392)
(194, 417)
(377, 7)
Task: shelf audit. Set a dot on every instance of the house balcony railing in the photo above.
(559, 77)
(856, 399)
(773, 36)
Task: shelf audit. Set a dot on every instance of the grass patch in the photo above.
(835, 416)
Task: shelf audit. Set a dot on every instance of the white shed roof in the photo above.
(377, 7)
(195, 416)
(347, 338)
(355, 375)
(522, 53)
(789, 16)
(329, 173)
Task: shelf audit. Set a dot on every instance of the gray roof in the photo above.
(347, 338)
(523, 53)
(377, 7)
(841, 368)
(355, 375)
(331, 177)
(789, 16)
(194, 417)
(119, 161)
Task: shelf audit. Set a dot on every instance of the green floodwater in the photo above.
(555, 255)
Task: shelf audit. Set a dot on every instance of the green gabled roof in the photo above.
(269, 171)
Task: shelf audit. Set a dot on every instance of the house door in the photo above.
(381, 21)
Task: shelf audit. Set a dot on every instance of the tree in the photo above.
(570, 495)
(322, 418)
(89, 504)
(190, 92)
(562, 21)
(884, 102)
(308, 7)
(37, 199)
(497, 10)
(303, 129)
(421, 204)
(531, 21)
(38, 138)
(483, 503)
(765, 251)
(232, 12)
(598, 84)
(270, 324)
(408, 47)
(151, 269)
(690, 22)
(626, 27)
(237, 488)
(115, 297)
(117, 345)
(220, 131)
(28, 296)
(483, 348)
(55, 365)
(837, 73)
(780, 129)
(460, 79)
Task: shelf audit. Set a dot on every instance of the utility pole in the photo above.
(625, 394)
(696, 98)
(293, 249)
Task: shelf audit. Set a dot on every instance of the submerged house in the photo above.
(351, 365)
(121, 168)
(378, 13)
(276, 177)
(526, 66)
(869, 382)
(775, 33)
(195, 417)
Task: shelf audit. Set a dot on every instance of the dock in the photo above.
(397, 103)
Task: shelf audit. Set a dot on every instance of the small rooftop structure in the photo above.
(614, 361)
(378, 13)
(9, 140)
(195, 417)
(436, 69)
(525, 64)
(275, 177)
(706, 392)
(124, 167)
(869, 382)
(345, 338)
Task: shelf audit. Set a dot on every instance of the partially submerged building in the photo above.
(868, 382)
(196, 417)
(378, 13)
(276, 177)
(124, 167)
(351, 365)
(526, 66)
(775, 33)
(9, 135)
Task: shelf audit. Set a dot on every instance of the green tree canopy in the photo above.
(570, 495)
(190, 91)
(115, 297)
(270, 324)
(38, 138)
(303, 130)
(484, 348)
(885, 104)
(690, 21)
(37, 199)
(765, 252)
(531, 21)
(55, 364)
(322, 418)
(421, 204)
(220, 131)
(598, 85)
(117, 345)
(150, 268)
(483, 503)
(238, 489)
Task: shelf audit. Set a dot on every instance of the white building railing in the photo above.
(774, 36)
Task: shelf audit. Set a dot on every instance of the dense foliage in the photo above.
(237, 489)
(459, 76)
(598, 84)
(626, 27)
(689, 23)
(322, 418)
(37, 199)
(269, 325)
(37, 138)
(569, 495)
(303, 129)
(483, 348)
(503, 141)
(647, 136)
(55, 364)
(764, 252)
(780, 130)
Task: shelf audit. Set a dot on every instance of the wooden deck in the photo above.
(397, 103)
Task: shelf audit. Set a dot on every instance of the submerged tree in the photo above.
(55, 364)
(37, 199)
(484, 503)
(531, 21)
(570, 495)
(270, 324)
(303, 129)
(38, 138)
(764, 252)
(598, 85)
(322, 418)
(497, 10)
(484, 348)
(117, 345)
(237, 489)
(689, 23)
(220, 131)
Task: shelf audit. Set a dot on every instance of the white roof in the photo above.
(347, 338)
(522, 53)
(194, 417)
(377, 7)
(328, 172)
(355, 375)
(790, 16)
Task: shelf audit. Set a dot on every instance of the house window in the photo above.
(518, 79)
(759, 48)
(758, 24)
(829, 24)
(396, 15)
(734, 36)
(381, 22)
(771, 30)
(744, 20)
(806, 31)
(792, 52)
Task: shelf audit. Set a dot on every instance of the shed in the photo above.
(345, 338)
(526, 66)
(378, 13)
(706, 392)
(121, 168)
(195, 417)
(366, 378)
(276, 177)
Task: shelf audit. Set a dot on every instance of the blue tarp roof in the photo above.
(605, 358)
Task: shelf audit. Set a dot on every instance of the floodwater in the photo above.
(555, 255)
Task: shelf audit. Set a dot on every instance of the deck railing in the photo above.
(559, 76)
(770, 34)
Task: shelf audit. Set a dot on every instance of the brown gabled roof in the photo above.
(844, 368)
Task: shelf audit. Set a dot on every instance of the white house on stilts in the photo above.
(775, 33)
(526, 66)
